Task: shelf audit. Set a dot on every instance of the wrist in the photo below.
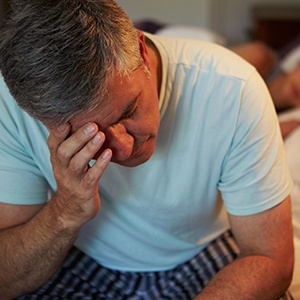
(74, 210)
(59, 220)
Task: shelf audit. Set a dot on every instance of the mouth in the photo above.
(137, 151)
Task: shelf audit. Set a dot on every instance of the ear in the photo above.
(143, 49)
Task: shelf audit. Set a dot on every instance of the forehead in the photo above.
(122, 89)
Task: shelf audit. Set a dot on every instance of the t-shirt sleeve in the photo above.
(21, 181)
(255, 175)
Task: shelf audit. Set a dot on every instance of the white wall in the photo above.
(187, 12)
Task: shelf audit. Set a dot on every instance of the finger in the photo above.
(79, 163)
(73, 144)
(57, 136)
(95, 172)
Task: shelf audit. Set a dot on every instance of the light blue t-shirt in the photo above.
(219, 143)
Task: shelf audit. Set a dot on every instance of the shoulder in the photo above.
(15, 123)
(207, 56)
(9, 107)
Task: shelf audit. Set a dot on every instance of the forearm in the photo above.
(33, 251)
(252, 277)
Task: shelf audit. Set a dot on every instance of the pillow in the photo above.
(291, 60)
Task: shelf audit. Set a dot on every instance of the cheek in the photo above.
(153, 106)
(148, 118)
(152, 121)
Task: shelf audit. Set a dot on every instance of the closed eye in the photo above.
(130, 110)
(131, 113)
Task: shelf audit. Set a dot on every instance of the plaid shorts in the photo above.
(80, 277)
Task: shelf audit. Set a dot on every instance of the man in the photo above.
(148, 138)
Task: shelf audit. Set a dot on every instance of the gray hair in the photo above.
(57, 56)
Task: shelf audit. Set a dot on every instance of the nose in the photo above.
(119, 141)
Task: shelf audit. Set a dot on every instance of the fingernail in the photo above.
(89, 129)
(97, 138)
(106, 154)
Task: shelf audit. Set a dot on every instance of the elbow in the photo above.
(287, 270)
(289, 273)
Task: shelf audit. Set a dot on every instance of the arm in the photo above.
(264, 268)
(32, 250)
(35, 239)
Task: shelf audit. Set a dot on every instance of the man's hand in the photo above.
(35, 239)
(77, 199)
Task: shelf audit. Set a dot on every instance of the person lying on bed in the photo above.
(282, 77)
(134, 166)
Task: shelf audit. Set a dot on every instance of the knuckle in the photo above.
(62, 153)
(51, 144)
(75, 166)
(89, 180)
(66, 184)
